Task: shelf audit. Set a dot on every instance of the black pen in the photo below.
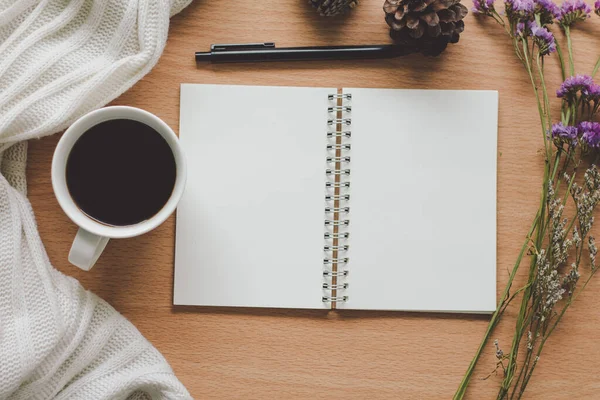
(256, 52)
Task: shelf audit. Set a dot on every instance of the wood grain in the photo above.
(236, 353)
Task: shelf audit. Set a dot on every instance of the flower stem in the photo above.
(570, 49)
(537, 96)
(462, 389)
(540, 231)
(500, 21)
(561, 61)
(564, 201)
(519, 332)
(540, 68)
(596, 67)
(536, 226)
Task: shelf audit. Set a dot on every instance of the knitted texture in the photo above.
(59, 60)
(12, 165)
(64, 58)
(57, 340)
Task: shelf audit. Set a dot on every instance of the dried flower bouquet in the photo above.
(561, 249)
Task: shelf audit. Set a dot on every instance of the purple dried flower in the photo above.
(518, 10)
(483, 6)
(572, 11)
(547, 10)
(572, 85)
(597, 7)
(543, 38)
(591, 93)
(523, 6)
(564, 134)
(520, 29)
(590, 134)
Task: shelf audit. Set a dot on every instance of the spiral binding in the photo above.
(338, 159)
(337, 199)
(336, 260)
(346, 96)
(345, 146)
(335, 287)
(337, 209)
(336, 121)
(337, 248)
(345, 134)
(337, 184)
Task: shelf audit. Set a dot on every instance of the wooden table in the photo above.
(255, 353)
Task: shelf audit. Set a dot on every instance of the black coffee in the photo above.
(121, 172)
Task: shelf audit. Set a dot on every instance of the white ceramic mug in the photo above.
(92, 237)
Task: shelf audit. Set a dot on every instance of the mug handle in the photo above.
(86, 249)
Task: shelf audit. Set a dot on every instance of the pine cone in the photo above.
(425, 26)
(330, 8)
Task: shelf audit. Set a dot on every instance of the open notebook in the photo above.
(377, 199)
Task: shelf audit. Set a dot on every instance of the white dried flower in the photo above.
(547, 288)
(499, 352)
(576, 237)
(570, 280)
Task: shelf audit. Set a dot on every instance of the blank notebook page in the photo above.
(250, 224)
(423, 200)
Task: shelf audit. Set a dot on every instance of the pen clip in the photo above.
(249, 46)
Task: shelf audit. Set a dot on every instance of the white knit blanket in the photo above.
(60, 59)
